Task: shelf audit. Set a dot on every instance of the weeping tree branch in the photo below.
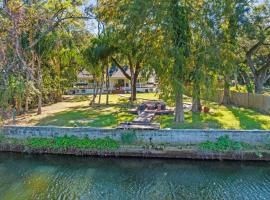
(121, 68)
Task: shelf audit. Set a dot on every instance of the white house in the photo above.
(118, 83)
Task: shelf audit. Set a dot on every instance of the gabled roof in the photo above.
(114, 72)
(84, 75)
(118, 73)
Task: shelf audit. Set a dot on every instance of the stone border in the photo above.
(142, 153)
(170, 136)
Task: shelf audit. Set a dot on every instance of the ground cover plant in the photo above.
(64, 142)
(223, 144)
(73, 142)
(129, 140)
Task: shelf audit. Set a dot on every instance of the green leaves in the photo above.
(223, 144)
(39, 30)
(73, 142)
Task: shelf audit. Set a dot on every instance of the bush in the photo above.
(2, 137)
(268, 145)
(73, 142)
(223, 143)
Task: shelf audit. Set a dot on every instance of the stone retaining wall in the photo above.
(156, 136)
(143, 153)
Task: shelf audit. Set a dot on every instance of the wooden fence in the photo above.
(247, 100)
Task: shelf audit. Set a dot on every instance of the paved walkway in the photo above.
(143, 121)
(144, 118)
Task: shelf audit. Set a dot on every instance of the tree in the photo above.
(256, 42)
(232, 12)
(173, 25)
(181, 36)
(23, 27)
(203, 50)
(98, 54)
(129, 26)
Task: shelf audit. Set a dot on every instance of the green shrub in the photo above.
(268, 145)
(223, 143)
(128, 137)
(2, 137)
(40, 142)
(73, 142)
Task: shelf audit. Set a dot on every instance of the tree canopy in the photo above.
(192, 47)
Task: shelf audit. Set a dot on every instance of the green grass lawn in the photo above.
(95, 116)
(220, 117)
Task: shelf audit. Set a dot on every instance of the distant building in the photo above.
(118, 83)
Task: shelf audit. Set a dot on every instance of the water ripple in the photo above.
(54, 177)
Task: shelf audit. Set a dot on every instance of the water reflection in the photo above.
(67, 177)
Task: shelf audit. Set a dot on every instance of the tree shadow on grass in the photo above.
(192, 121)
(205, 121)
(243, 115)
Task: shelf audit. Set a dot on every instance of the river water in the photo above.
(26, 177)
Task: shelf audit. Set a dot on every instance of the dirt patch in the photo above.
(31, 118)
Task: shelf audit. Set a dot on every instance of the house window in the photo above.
(120, 83)
(127, 85)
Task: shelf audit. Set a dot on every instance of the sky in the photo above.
(92, 24)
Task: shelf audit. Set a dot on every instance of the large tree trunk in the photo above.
(99, 93)
(93, 100)
(18, 106)
(226, 93)
(133, 88)
(181, 44)
(178, 89)
(236, 80)
(196, 98)
(246, 81)
(133, 80)
(196, 92)
(39, 85)
(179, 108)
(260, 71)
(258, 83)
(26, 106)
(107, 84)
(101, 86)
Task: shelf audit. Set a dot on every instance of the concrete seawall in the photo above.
(143, 153)
(155, 136)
